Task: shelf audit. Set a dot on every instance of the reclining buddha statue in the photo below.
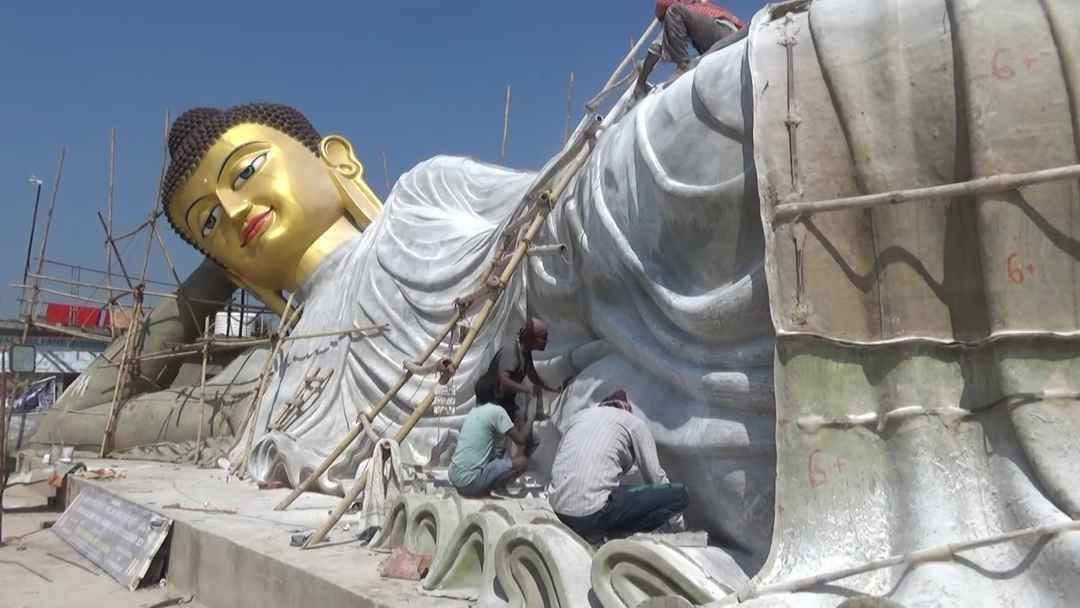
(833, 388)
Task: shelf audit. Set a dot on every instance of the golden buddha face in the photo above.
(259, 203)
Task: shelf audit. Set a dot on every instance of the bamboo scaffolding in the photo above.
(109, 220)
(146, 292)
(130, 339)
(569, 108)
(547, 201)
(221, 344)
(386, 172)
(371, 414)
(939, 553)
(133, 232)
(65, 294)
(289, 317)
(182, 297)
(119, 258)
(202, 393)
(152, 220)
(73, 332)
(113, 275)
(506, 126)
(993, 184)
(44, 241)
(570, 154)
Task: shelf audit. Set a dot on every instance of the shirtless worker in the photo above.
(516, 369)
(697, 22)
(599, 447)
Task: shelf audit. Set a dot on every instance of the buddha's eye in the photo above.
(255, 164)
(211, 221)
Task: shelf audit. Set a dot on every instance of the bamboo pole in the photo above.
(386, 172)
(121, 377)
(288, 318)
(61, 293)
(369, 415)
(109, 220)
(101, 272)
(146, 292)
(74, 333)
(119, 258)
(569, 108)
(993, 184)
(44, 241)
(547, 201)
(5, 421)
(506, 126)
(938, 553)
(202, 393)
(182, 298)
(152, 220)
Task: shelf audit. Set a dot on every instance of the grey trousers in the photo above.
(683, 27)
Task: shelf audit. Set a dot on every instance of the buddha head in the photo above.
(257, 189)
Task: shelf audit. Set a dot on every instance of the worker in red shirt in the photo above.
(699, 22)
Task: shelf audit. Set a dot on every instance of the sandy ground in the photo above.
(52, 574)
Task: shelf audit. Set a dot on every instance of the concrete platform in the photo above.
(243, 559)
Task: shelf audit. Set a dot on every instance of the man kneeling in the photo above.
(491, 449)
(600, 445)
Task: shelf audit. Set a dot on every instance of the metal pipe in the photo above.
(33, 226)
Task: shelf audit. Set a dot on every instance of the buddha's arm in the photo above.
(173, 321)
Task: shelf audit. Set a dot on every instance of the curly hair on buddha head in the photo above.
(194, 132)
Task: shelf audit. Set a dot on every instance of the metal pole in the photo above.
(33, 226)
(44, 242)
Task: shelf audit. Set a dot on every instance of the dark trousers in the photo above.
(631, 509)
(683, 27)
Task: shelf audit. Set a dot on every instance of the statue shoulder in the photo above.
(455, 181)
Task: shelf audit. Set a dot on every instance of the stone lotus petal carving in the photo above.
(543, 564)
(629, 571)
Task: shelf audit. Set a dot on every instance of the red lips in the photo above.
(253, 226)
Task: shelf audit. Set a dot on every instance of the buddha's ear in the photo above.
(361, 203)
(338, 154)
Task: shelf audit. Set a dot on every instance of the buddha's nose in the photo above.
(235, 207)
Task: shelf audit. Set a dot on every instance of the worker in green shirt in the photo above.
(491, 449)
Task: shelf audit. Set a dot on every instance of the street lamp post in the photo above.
(33, 228)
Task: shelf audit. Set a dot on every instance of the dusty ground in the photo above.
(71, 580)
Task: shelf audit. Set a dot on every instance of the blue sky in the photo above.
(408, 79)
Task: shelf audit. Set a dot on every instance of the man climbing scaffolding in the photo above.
(697, 22)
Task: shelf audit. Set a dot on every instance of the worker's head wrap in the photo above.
(617, 399)
(533, 334)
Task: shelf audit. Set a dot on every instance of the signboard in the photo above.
(120, 537)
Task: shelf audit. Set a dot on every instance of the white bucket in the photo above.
(234, 324)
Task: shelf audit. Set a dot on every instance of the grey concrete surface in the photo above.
(243, 559)
(67, 572)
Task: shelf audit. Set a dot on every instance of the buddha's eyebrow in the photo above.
(228, 158)
(187, 214)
